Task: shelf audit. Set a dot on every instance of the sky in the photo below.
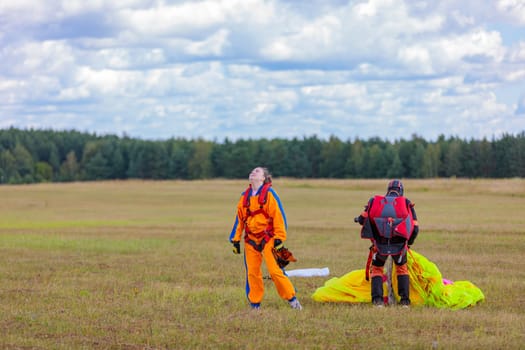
(240, 69)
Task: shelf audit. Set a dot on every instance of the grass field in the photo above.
(147, 265)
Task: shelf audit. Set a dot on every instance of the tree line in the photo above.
(31, 156)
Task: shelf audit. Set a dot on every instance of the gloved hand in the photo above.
(278, 244)
(236, 247)
(361, 220)
(283, 256)
(414, 235)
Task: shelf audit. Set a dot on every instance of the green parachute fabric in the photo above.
(427, 287)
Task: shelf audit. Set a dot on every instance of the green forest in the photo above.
(32, 156)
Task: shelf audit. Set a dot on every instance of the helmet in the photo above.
(395, 186)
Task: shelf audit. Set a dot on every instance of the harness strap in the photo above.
(371, 253)
(259, 247)
(269, 226)
(267, 234)
(263, 194)
(402, 252)
(258, 211)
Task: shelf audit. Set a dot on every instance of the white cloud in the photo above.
(392, 107)
(211, 46)
(156, 83)
(74, 93)
(312, 40)
(463, 20)
(189, 18)
(391, 18)
(126, 58)
(217, 68)
(517, 53)
(10, 91)
(339, 97)
(105, 82)
(515, 9)
(473, 45)
(164, 20)
(26, 11)
(47, 57)
(517, 75)
(416, 58)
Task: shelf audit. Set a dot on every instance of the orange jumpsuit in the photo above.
(254, 228)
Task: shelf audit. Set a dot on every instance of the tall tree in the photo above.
(452, 159)
(486, 161)
(43, 172)
(312, 149)
(69, 170)
(332, 159)
(416, 160)
(375, 165)
(199, 165)
(179, 156)
(24, 162)
(394, 166)
(299, 166)
(148, 160)
(28, 155)
(8, 170)
(509, 156)
(355, 164)
(430, 165)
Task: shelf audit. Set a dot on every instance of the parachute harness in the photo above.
(267, 233)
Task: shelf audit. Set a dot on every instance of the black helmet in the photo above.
(395, 186)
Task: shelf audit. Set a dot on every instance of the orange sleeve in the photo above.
(238, 226)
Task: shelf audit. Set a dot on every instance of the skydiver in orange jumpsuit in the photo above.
(261, 217)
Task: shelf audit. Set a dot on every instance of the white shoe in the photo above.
(295, 304)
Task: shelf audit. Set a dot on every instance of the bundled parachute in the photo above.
(427, 287)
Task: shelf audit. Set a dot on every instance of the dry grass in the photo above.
(147, 265)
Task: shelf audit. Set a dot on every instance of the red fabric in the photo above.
(262, 195)
(268, 232)
(391, 213)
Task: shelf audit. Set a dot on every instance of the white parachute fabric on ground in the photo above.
(310, 272)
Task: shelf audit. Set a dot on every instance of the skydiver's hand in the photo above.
(236, 247)
(278, 244)
(413, 236)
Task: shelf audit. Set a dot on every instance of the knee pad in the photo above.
(376, 271)
(402, 269)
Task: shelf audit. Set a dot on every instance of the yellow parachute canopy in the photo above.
(427, 287)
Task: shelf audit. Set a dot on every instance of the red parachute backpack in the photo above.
(391, 217)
